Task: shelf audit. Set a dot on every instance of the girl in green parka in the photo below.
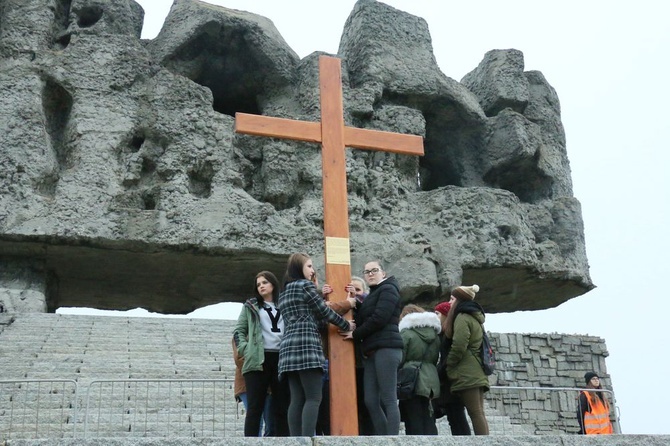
(257, 335)
(419, 330)
(448, 403)
(465, 328)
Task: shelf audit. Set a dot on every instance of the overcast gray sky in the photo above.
(608, 62)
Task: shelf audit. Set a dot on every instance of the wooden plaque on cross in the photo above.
(334, 136)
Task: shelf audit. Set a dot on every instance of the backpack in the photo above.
(488, 356)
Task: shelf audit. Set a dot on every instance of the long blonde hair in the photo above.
(364, 285)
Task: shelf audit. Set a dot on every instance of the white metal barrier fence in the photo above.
(31, 409)
(38, 408)
(162, 408)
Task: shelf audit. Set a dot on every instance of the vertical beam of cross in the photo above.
(334, 136)
(342, 362)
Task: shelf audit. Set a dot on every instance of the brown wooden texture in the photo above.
(343, 420)
(334, 136)
(277, 127)
(383, 141)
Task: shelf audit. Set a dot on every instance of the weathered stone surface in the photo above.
(239, 56)
(544, 109)
(121, 173)
(24, 287)
(30, 26)
(389, 59)
(512, 148)
(499, 82)
(105, 17)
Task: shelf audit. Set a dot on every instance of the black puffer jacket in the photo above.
(378, 316)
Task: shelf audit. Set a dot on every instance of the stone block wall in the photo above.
(554, 366)
(548, 360)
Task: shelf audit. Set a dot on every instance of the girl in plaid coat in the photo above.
(301, 357)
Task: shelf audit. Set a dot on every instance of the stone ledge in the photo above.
(563, 440)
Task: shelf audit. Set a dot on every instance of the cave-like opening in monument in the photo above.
(219, 57)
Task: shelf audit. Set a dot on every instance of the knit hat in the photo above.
(588, 376)
(465, 292)
(443, 308)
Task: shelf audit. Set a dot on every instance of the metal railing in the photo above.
(38, 408)
(539, 410)
(162, 408)
(31, 409)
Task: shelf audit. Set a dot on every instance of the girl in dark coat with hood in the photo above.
(419, 330)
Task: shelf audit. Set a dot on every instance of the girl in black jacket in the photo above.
(381, 345)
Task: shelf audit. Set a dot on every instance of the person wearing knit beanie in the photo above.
(588, 376)
(463, 293)
(593, 408)
(464, 325)
(443, 308)
(447, 403)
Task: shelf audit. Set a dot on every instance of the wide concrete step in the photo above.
(609, 440)
(75, 347)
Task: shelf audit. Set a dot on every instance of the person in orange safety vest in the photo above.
(593, 410)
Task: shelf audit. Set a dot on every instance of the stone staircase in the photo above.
(88, 349)
(83, 348)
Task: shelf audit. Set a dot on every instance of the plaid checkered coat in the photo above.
(302, 308)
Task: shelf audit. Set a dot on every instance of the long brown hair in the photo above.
(600, 395)
(603, 398)
(443, 324)
(448, 326)
(294, 267)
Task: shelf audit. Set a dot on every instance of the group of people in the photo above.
(279, 347)
(280, 351)
(278, 343)
(446, 344)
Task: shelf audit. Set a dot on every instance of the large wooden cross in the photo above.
(334, 136)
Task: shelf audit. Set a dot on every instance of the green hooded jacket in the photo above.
(421, 344)
(248, 337)
(464, 367)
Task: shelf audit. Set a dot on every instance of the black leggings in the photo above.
(417, 416)
(257, 383)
